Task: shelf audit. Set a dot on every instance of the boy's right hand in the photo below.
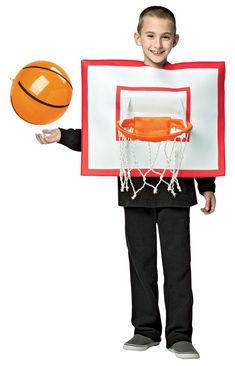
(49, 136)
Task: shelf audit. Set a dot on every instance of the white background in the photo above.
(64, 275)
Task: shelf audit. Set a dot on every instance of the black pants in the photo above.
(173, 226)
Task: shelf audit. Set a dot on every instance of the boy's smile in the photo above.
(157, 38)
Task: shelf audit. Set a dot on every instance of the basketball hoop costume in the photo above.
(172, 215)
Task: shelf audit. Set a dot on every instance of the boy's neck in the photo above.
(160, 66)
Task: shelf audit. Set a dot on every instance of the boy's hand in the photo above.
(49, 136)
(210, 203)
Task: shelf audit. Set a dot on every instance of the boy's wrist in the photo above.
(61, 134)
(208, 193)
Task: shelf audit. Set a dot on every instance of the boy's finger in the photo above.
(46, 130)
(38, 137)
(213, 203)
(41, 139)
(209, 207)
(205, 211)
(48, 139)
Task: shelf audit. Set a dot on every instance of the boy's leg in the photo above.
(174, 235)
(140, 224)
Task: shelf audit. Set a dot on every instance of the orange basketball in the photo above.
(41, 92)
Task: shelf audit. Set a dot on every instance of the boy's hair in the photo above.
(156, 11)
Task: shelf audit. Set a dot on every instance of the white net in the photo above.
(156, 159)
(130, 156)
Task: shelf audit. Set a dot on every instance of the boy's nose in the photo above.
(158, 43)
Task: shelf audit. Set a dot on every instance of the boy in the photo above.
(156, 34)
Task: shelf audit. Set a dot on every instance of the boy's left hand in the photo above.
(210, 203)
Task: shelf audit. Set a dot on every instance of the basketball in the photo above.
(41, 92)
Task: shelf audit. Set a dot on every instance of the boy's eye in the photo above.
(150, 35)
(166, 37)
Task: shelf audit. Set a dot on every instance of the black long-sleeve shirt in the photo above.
(146, 198)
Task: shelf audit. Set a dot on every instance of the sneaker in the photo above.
(139, 343)
(184, 350)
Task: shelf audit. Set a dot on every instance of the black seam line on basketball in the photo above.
(46, 68)
(40, 101)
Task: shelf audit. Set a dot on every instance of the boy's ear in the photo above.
(137, 38)
(176, 40)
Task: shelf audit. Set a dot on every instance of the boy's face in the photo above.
(157, 38)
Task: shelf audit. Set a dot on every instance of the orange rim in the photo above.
(153, 129)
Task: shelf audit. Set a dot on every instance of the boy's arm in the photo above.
(71, 138)
(206, 187)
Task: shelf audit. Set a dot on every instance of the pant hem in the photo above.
(169, 343)
(146, 334)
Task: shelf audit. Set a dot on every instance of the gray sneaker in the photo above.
(184, 350)
(139, 343)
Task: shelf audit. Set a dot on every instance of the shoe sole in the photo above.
(185, 355)
(132, 347)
